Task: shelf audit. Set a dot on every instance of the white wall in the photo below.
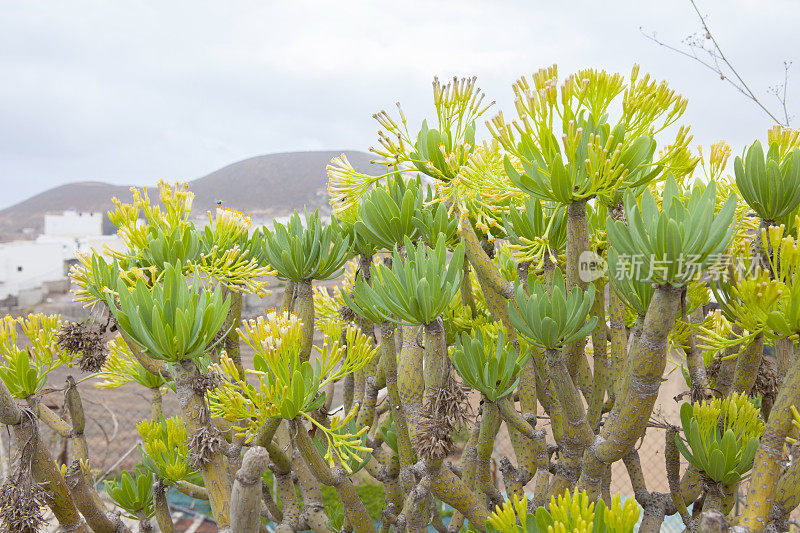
(74, 224)
(69, 246)
(99, 243)
(26, 265)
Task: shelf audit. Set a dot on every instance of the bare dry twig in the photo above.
(713, 58)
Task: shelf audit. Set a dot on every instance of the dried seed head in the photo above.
(203, 383)
(450, 402)
(204, 444)
(71, 336)
(766, 383)
(445, 410)
(76, 338)
(21, 503)
(347, 314)
(434, 437)
(92, 361)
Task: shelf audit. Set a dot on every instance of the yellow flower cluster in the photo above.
(122, 367)
(166, 448)
(568, 513)
(784, 140)
(40, 330)
(273, 337)
(346, 187)
(735, 412)
(176, 199)
(234, 269)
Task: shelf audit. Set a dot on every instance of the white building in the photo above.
(74, 224)
(70, 246)
(27, 265)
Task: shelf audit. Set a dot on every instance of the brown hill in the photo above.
(273, 185)
(264, 186)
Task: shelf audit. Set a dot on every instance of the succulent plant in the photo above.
(598, 161)
(635, 293)
(784, 264)
(24, 366)
(433, 147)
(94, 278)
(165, 452)
(353, 462)
(551, 320)
(386, 215)
(569, 512)
(750, 298)
(303, 250)
(770, 183)
(289, 387)
(720, 437)
(179, 244)
(672, 245)
(133, 493)
(521, 206)
(594, 157)
(489, 365)
(415, 290)
(537, 230)
(439, 152)
(224, 250)
(433, 221)
(172, 320)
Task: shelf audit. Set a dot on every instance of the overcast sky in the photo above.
(134, 92)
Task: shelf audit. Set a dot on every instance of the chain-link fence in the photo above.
(650, 449)
(110, 431)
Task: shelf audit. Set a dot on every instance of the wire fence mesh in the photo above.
(111, 420)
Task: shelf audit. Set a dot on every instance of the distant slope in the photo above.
(264, 186)
(273, 185)
(83, 196)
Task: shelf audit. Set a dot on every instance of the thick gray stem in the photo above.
(246, 492)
